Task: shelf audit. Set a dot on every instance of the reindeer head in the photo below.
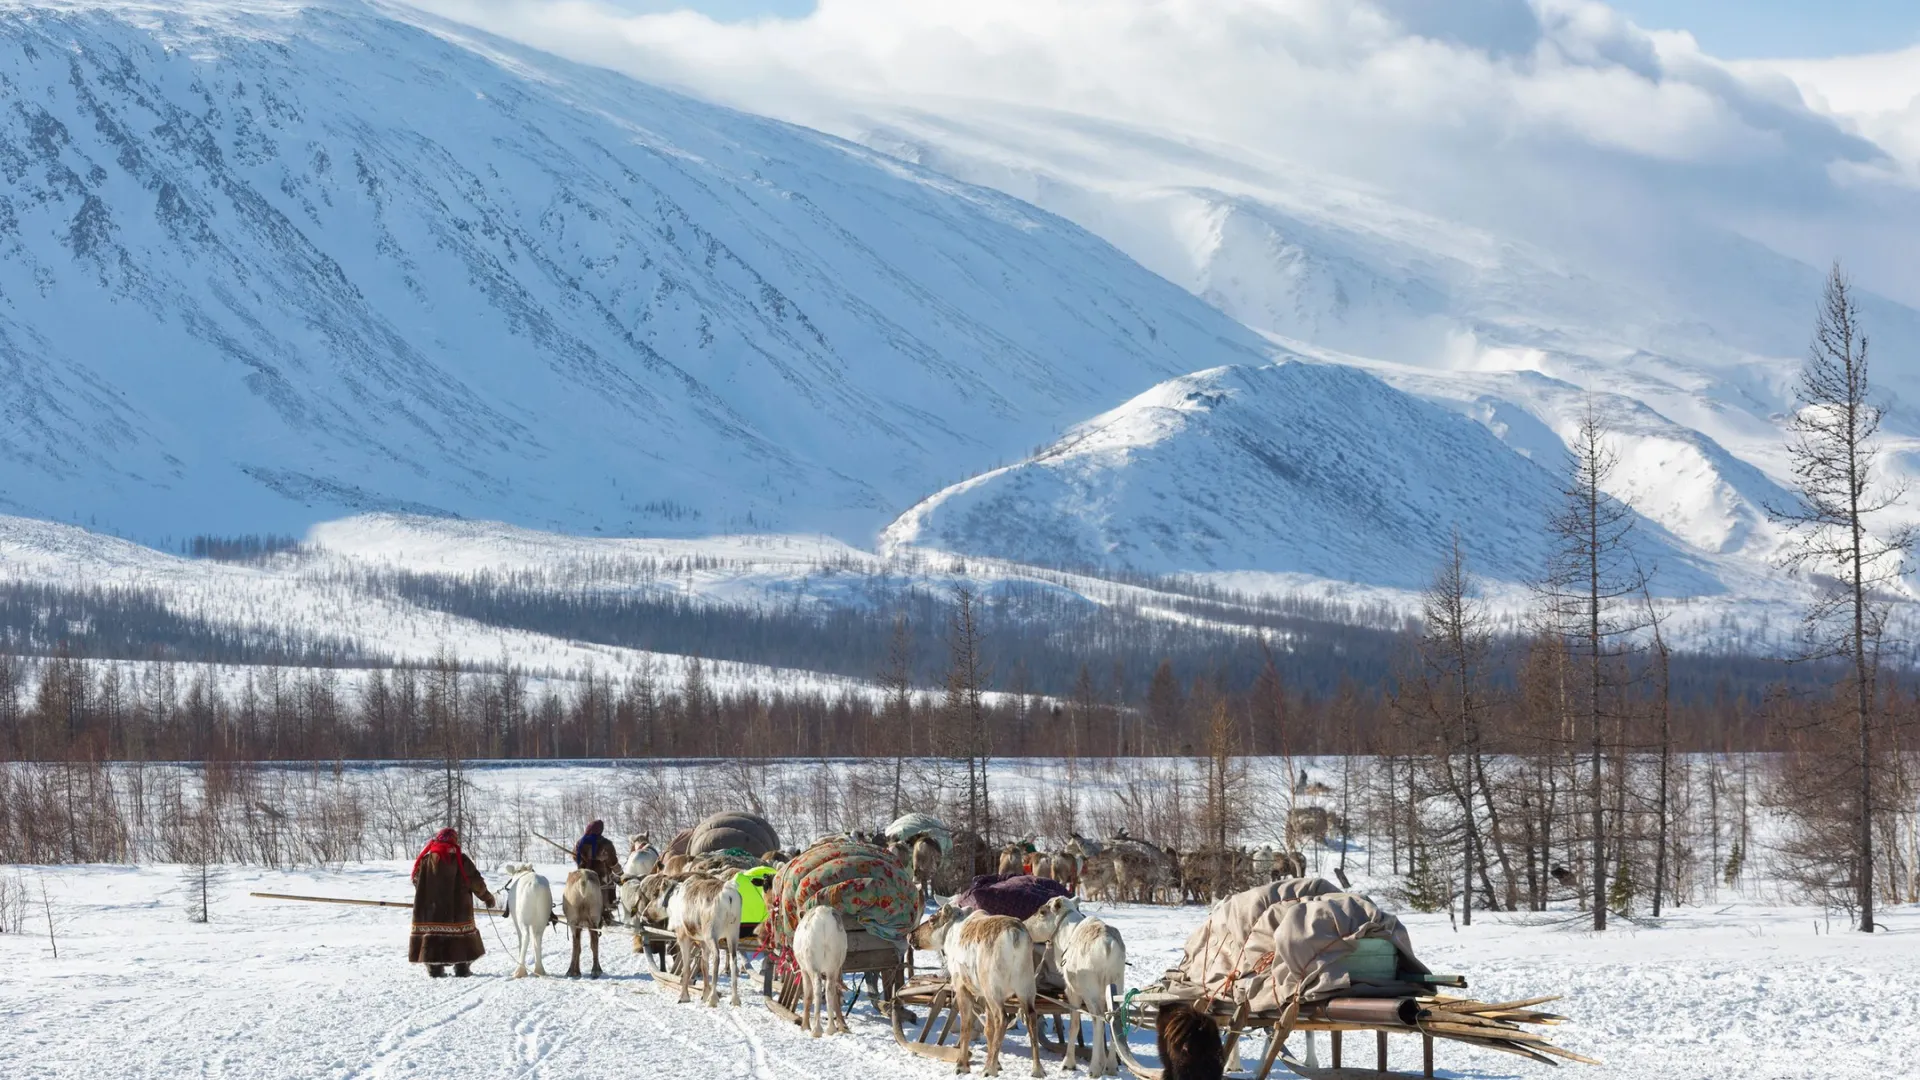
(1044, 924)
(932, 934)
(638, 841)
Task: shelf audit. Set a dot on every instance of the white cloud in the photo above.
(1557, 120)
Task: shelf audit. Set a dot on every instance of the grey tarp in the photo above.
(911, 826)
(1307, 926)
(750, 833)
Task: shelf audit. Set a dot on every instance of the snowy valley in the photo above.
(274, 264)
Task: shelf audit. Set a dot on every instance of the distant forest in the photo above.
(1075, 677)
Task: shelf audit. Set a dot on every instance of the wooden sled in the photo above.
(934, 995)
(662, 950)
(1493, 1026)
(880, 963)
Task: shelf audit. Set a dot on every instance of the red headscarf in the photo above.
(446, 842)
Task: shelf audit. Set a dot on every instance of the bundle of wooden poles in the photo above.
(1494, 1025)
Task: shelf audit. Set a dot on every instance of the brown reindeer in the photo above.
(1190, 1047)
(924, 864)
(990, 961)
(1013, 859)
(582, 904)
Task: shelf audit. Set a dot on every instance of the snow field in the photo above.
(272, 989)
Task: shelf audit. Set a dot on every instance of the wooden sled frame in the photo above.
(1236, 1021)
(935, 995)
(879, 963)
(662, 950)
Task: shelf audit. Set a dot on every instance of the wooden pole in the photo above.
(555, 843)
(358, 903)
(330, 900)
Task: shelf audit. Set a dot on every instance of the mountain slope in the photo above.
(1295, 467)
(263, 264)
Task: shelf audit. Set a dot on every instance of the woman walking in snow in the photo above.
(445, 883)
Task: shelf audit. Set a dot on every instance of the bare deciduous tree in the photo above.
(1592, 575)
(1838, 539)
(966, 714)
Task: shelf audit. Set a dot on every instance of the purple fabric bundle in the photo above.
(1018, 895)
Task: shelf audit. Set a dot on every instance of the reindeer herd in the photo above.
(990, 960)
(1125, 868)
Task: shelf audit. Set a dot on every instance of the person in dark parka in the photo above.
(445, 883)
(596, 853)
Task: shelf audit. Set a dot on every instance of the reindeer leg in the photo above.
(1033, 1036)
(573, 969)
(596, 953)
(809, 1011)
(839, 1004)
(963, 1004)
(1072, 1037)
(685, 943)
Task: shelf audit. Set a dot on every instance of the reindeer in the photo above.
(1099, 877)
(989, 958)
(581, 902)
(1060, 867)
(924, 864)
(1137, 871)
(1013, 859)
(1092, 958)
(820, 952)
(1310, 823)
(1189, 1042)
(642, 857)
(706, 911)
(529, 900)
(644, 903)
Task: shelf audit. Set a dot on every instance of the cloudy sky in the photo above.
(1731, 29)
(1566, 122)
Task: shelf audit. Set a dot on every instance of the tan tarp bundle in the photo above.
(1268, 944)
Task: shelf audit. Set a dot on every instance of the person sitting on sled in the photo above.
(596, 853)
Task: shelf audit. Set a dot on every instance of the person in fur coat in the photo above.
(445, 883)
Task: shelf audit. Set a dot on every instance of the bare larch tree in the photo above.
(966, 723)
(1835, 454)
(1591, 577)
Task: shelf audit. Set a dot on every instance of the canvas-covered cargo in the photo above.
(1295, 938)
(1018, 896)
(862, 882)
(728, 830)
(909, 827)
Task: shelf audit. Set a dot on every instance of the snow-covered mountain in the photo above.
(263, 264)
(268, 263)
(1702, 336)
(1353, 478)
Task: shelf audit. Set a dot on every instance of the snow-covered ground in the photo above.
(271, 989)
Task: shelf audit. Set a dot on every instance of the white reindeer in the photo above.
(529, 900)
(704, 913)
(820, 952)
(989, 959)
(642, 857)
(1092, 958)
